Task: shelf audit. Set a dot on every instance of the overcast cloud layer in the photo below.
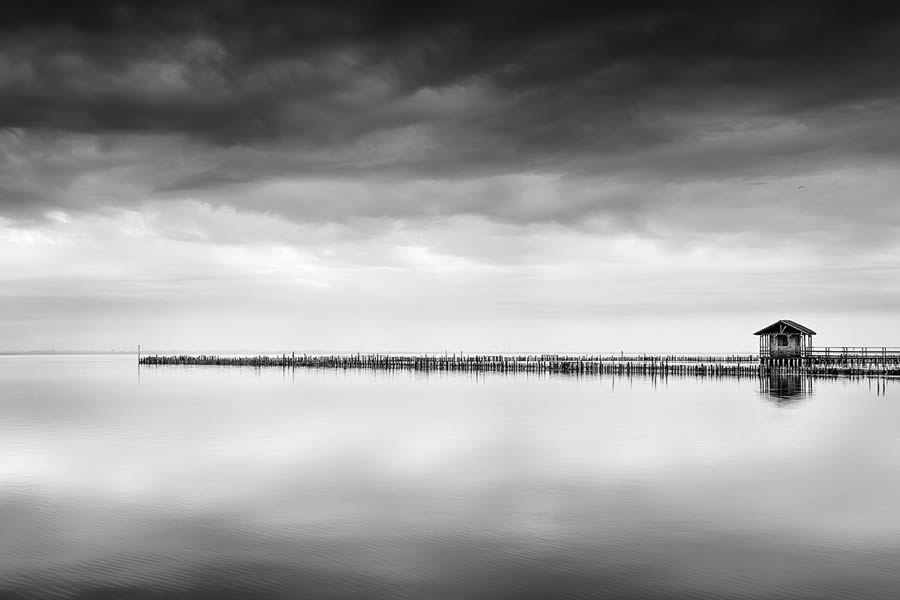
(463, 176)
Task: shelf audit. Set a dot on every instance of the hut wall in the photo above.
(794, 343)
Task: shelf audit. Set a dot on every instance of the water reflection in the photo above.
(255, 483)
(786, 388)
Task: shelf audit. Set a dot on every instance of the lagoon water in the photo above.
(207, 482)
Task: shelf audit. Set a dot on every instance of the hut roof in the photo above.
(785, 326)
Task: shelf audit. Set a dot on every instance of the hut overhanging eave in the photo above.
(785, 326)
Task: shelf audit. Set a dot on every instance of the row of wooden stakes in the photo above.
(574, 364)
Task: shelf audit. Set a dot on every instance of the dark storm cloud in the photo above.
(112, 103)
(566, 78)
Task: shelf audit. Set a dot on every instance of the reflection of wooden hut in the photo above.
(786, 387)
(784, 339)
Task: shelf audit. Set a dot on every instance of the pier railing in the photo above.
(854, 352)
(828, 352)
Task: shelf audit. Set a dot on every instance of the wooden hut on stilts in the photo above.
(784, 343)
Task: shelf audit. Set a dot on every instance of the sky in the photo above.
(447, 176)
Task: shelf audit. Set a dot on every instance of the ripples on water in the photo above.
(240, 483)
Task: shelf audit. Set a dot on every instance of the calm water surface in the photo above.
(243, 483)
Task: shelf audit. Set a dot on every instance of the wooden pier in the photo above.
(787, 346)
(816, 361)
(836, 359)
